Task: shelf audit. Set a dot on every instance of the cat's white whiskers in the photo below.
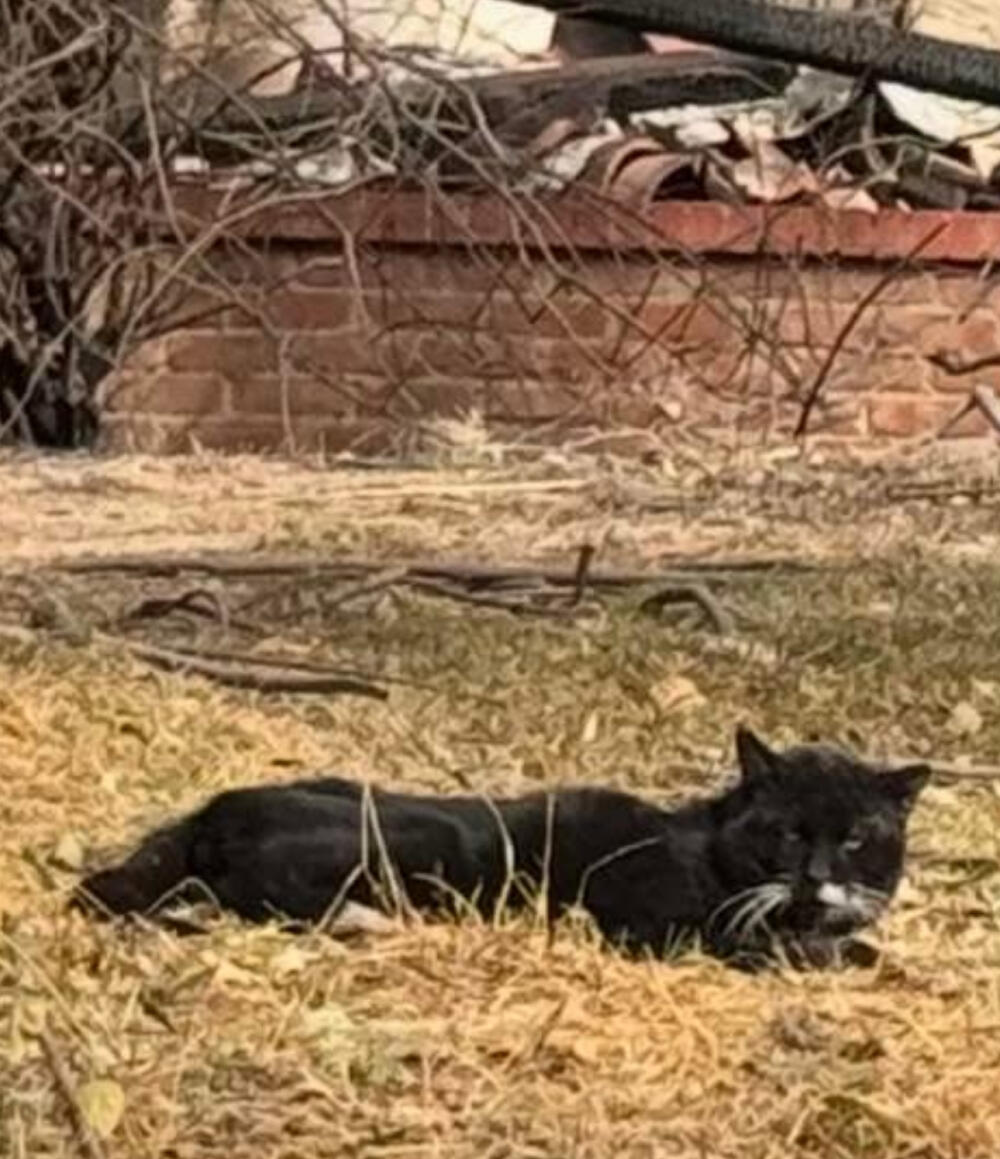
(755, 906)
(764, 911)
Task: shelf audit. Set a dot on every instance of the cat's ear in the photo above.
(905, 784)
(757, 761)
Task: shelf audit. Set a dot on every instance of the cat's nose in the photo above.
(818, 866)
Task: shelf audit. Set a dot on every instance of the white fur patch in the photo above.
(832, 894)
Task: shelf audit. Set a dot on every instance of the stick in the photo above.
(812, 397)
(518, 606)
(953, 364)
(932, 491)
(474, 573)
(90, 1145)
(981, 398)
(154, 609)
(243, 673)
(587, 551)
(690, 593)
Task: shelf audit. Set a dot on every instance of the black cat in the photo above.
(804, 851)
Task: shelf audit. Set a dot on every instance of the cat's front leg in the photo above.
(822, 952)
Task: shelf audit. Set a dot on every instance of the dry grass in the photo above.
(473, 1041)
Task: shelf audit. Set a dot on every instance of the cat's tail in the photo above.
(154, 872)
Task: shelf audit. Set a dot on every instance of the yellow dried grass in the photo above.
(442, 1040)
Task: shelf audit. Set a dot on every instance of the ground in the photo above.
(878, 626)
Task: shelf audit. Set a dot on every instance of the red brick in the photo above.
(965, 338)
(489, 313)
(907, 417)
(683, 323)
(462, 355)
(461, 271)
(961, 384)
(848, 283)
(394, 354)
(417, 399)
(558, 314)
(535, 400)
(300, 309)
(275, 394)
(878, 374)
(819, 323)
(175, 436)
(172, 394)
(412, 309)
(234, 354)
(321, 268)
(393, 217)
(832, 415)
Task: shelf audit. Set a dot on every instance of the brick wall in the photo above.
(711, 319)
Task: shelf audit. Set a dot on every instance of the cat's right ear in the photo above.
(757, 761)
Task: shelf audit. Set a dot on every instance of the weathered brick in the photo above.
(961, 384)
(393, 354)
(419, 399)
(234, 354)
(304, 309)
(684, 323)
(556, 315)
(433, 329)
(412, 308)
(277, 394)
(462, 270)
(965, 338)
(907, 417)
(171, 394)
(243, 434)
(474, 356)
(820, 323)
(878, 374)
(535, 400)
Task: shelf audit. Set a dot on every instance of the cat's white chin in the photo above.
(843, 903)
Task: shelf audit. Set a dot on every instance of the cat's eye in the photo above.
(853, 843)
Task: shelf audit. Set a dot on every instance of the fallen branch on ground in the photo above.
(694, 594)
(261, 674)
(244, 672)
(518, 590)
(250, 565)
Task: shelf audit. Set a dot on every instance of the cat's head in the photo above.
(815, 836)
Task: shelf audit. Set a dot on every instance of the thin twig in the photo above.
(587, 551)
(153, 609)
(866, 299)
(983, 399)
(694, 594)
(244, 673)
(250, 565)
(954, 364)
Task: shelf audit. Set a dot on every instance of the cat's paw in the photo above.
(823, 953)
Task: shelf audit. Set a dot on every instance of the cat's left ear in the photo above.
(905, 784)
(757, 761)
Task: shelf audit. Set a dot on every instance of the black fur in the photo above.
(805, 850)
